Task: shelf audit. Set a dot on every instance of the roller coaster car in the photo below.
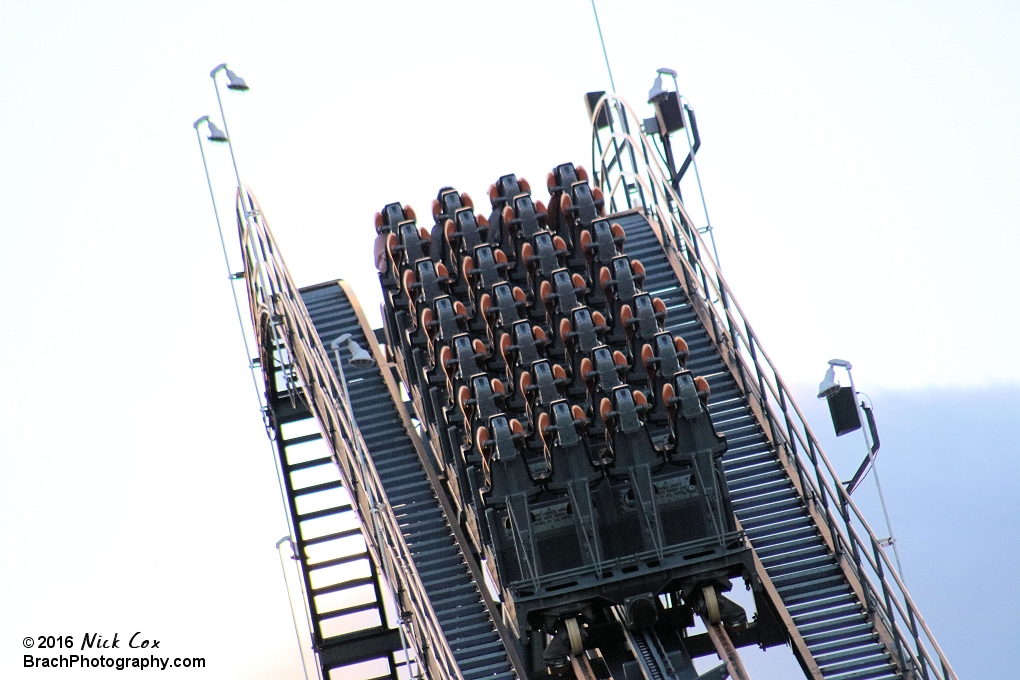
(575, 445)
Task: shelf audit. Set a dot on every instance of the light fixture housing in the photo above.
(828, 386)
(657, 88)
(235, 82)
(215, 134)
(360, 357)
(841, 400)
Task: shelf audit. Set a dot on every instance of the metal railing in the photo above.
(273, 296)
(628, 164)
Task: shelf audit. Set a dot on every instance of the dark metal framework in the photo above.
(399, 538)
(615, 508)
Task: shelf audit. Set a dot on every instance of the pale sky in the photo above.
(860, 163)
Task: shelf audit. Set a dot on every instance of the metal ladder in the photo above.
(343, 594)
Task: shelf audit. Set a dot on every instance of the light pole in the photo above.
(828, 389)
(674, 106)
(236, 83)
(290, 599)
(219, 136)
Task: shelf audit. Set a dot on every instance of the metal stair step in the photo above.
(409, 494)
(871, 663)
(315, 488)
(799, 601)
(835, 635)
(749, 504)
(326, 512)
(485, 633)
(778, 569)
(484, 666)
(855, 641)
(872, 674)
(396, 465)
(776, 515)
(763, 478)
(471, 629)
(436, 547)
(481, 649)
(740, 431)
(428, 533)
(315, 462)
(766, 525)
(835, 622)
(456, 618)
(827, 614)
(336, 561)
(439, 566)
(345, 611)
(809, 580)
(450, 584)
(823, 605)
(770, 531)
(864, 648)
(343, 585)
(402, 477)
(466, 597)
(750, 453)
(751, 438)
(795, 549)
(347, 533)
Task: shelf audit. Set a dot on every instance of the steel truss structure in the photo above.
(392, 584)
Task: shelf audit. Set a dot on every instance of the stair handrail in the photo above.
(705, 281)
(271, 287)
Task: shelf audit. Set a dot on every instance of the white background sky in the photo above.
(861, 163)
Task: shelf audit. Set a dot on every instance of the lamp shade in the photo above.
(216, 134)
(235, 82)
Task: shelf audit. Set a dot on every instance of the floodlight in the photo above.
(656, 89)
(360, 357)
(236, 82)
(828, 386)
(216, 134)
